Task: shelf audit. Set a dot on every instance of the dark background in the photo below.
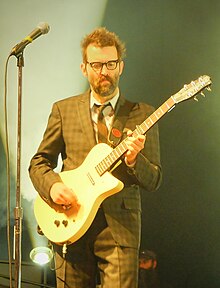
(169, 44)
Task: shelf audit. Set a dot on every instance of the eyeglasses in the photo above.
(110, 65)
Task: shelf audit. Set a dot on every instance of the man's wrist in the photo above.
(130, 164)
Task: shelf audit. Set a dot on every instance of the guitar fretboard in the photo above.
(141, 129)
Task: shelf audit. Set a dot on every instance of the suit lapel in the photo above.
(85, 117)
(120, 102)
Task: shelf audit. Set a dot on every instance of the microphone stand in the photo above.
(18, 211)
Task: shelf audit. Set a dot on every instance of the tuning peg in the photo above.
(195, 98)
(202, 94)
(208, 88)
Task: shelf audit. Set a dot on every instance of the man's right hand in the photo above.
(62, 195)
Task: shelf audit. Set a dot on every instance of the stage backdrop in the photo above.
(169, 44)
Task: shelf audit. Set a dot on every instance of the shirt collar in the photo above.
(112, 101)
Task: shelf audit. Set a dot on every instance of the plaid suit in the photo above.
(70, 132)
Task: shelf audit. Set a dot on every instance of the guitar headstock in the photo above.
(191, 90)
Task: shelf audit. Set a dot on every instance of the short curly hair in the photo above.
(103, 38)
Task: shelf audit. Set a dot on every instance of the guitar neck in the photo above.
(141, 129)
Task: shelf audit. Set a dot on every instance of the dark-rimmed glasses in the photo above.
(97, 66)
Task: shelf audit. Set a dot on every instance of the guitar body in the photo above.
(91, 189)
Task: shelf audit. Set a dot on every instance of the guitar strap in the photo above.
(116, 132)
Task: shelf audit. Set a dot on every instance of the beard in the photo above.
(105, 85)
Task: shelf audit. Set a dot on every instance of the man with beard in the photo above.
(110, 245)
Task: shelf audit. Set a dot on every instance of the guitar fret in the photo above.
(151, 120)
(113, 157)
(108, 162)
(154, 118)
(142, 129)
(117, 152)
(98, 169)
(159, 112)
(172, 101)
(145, 128)
(166, 105)
(101, 168)
(149, 124)
(157, 116)
(161, 109)
(138, 129)
(124, 146)
(135, 133)
(104, 164)
(121, 150)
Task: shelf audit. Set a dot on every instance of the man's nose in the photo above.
(104, 70)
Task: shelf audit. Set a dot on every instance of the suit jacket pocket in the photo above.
(132, 204)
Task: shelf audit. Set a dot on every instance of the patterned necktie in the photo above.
(101, 124)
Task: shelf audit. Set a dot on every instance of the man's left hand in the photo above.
(135, 145)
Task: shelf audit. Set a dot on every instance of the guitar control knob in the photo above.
(65, 222)
(57, 223)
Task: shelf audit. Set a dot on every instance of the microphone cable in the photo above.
(8, 173)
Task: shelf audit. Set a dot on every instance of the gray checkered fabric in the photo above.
(70, 132)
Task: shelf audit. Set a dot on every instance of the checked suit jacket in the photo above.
(70, 132)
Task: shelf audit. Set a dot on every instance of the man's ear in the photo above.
(83, 69)
(121, 67)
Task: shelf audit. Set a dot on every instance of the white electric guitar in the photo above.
(93, 182)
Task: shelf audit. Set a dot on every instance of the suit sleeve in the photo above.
(147, 169)
(44, 162)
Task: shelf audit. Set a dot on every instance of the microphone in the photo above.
(42, 28)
